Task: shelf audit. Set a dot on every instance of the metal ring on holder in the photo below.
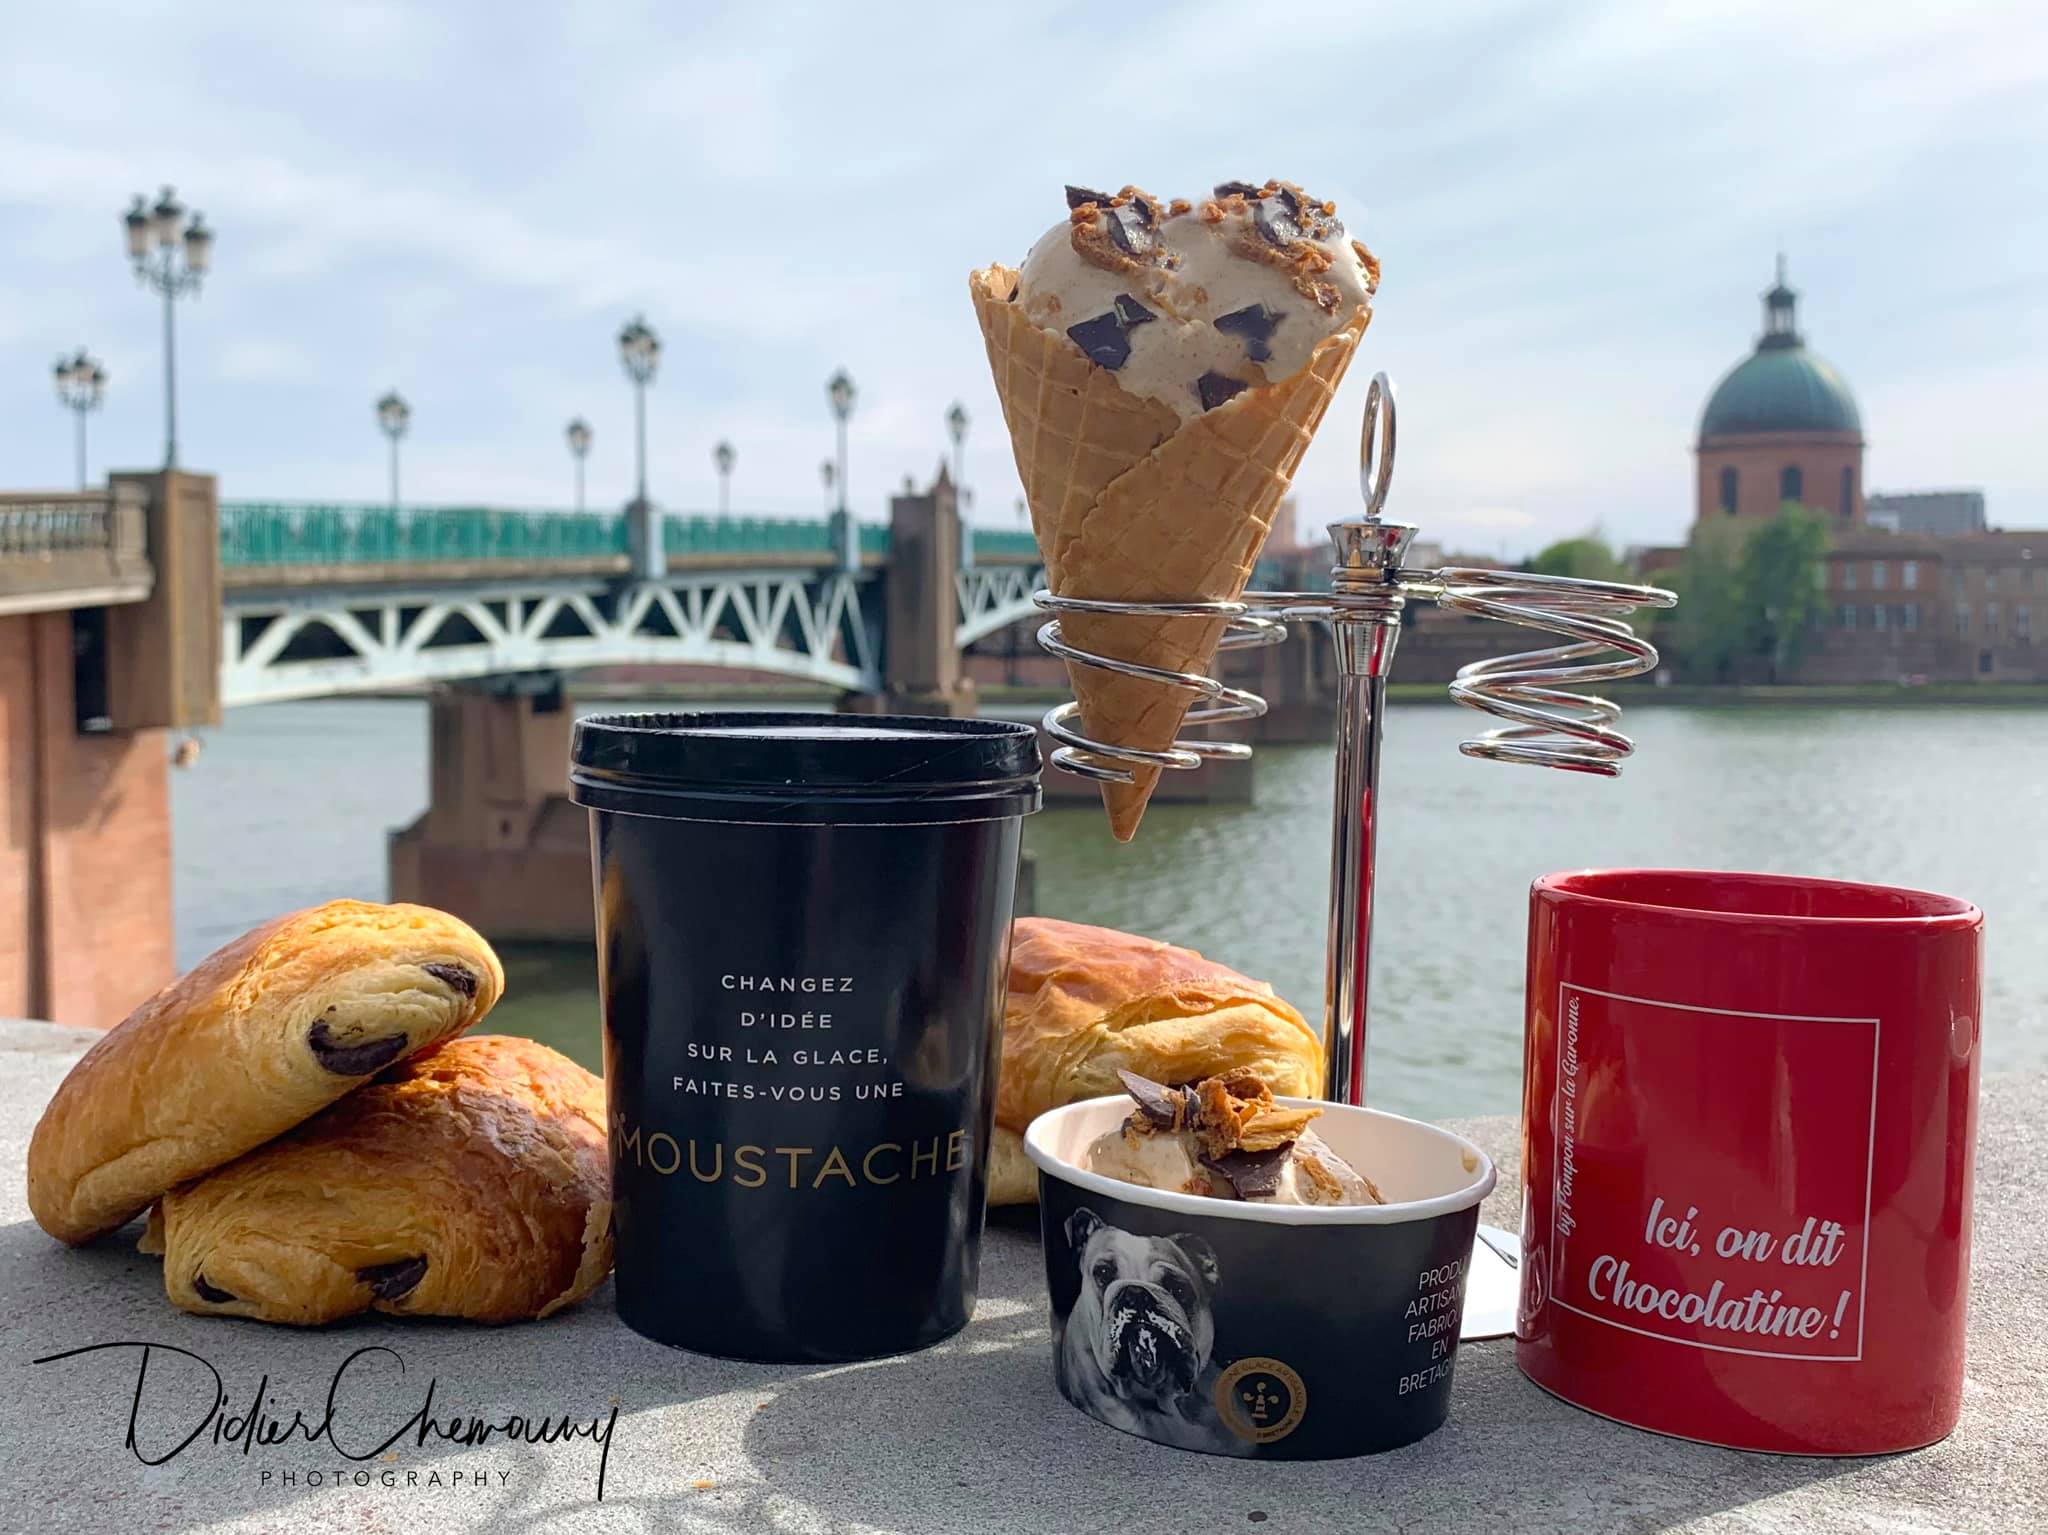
(1088, 758)
(1376, 445)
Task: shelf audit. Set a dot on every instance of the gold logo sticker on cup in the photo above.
(1261, 1399)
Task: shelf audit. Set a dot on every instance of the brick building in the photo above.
(1930, 605)
(1907, 607)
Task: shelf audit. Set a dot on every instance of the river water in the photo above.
(289, 805)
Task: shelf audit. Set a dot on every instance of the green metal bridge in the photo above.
(323, 598)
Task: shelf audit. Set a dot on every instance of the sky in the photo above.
(1576, 207)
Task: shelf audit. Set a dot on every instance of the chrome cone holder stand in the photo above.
(1547, 724)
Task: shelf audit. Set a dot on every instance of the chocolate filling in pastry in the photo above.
(208, 1293)
(461, 978)
(388, 1281)
(358, 1060)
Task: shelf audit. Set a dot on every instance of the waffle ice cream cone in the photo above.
(1133, 501)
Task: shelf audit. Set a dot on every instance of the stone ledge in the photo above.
(966, 1437)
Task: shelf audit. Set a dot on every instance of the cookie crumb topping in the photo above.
(1225, 1114)
(1281, 226)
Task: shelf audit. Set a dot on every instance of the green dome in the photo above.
(1781, 386)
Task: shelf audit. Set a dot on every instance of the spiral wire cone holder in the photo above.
(1547, 722)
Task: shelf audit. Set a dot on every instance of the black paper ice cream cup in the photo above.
(803, 942)
(1278, 1332)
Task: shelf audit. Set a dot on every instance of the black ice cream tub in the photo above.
(1272, 1331)
(803, 931)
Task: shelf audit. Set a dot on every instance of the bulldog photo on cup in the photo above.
(1136, 1347)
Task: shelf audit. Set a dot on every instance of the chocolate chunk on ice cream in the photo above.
(1107, 338)
(1226, 1138)
(1221, 275)
(1213, 389)
(1254, 322)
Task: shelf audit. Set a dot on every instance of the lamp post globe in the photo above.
(171, 255)
(167, 219)
(578, 435)
(723, 457)
(198, 245)
(81, 386)
(394, 417)
(640, 356)
(137, 221)
(639, 349)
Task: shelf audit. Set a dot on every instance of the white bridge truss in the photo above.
(819, 626)
(993, 597)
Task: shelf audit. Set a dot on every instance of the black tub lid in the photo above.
(800, 766)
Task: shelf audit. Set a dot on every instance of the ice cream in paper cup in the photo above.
(1225, 1278)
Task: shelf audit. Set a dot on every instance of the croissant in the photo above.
(1085, 1002)
(262, 1035)
(470, 1181)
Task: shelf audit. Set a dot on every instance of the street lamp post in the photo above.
(840, 394)
(956, 428)
(170, 256)
(579, 449)
(640, 356)
(394, 416)
(81, 384)
(827, 474)
(723, 457)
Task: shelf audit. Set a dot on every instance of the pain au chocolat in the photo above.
(470, 1181)
(1087, 1002)
(264, 1034)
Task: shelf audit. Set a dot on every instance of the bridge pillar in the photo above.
(922, 673)
(109, 635)
(499, 844)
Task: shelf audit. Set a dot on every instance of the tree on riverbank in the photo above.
(1749, 606)
(1780, 581)
(1587, 558)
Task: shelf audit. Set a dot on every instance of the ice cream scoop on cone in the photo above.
(1162, 369)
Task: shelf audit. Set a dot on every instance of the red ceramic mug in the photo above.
(1749, 1130)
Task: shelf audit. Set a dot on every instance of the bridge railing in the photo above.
(73, 550)
(687, 537)
(267, 534)
(259, 533)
